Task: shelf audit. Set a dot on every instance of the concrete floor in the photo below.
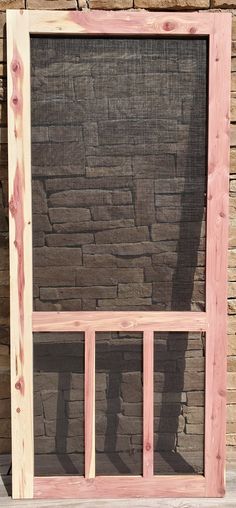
(228, 502)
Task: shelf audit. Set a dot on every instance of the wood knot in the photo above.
(125, 324)
(222, 393)
(192, 30)
(222, 214)
(148, 447)
(168, 26)
(20, 385)
(12, 207)
(15, 100)
(15, 66)
(18, 409)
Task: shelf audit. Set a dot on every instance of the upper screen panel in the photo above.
(119, 158)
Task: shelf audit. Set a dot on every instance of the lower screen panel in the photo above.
(59, 403)
(119, 399)
(179, 379)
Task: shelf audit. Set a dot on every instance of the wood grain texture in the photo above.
(121, 22)
(148, 403)
(18, 56)
(217, 244)
(213, 321)
(119, 321)
(227, 502)
(90, 404)
(110, 487)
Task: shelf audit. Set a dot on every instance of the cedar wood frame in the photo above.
(217, 26)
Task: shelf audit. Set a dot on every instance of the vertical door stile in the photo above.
(216, 265)
(20, 242)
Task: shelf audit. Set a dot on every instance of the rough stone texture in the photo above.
(110, 4)
(179, 408)
(130, 211)
(5, 428)
(172, 4)
(223, 4)
(51, 4)
(12, 4)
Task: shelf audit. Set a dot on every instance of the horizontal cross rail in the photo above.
(119, 321)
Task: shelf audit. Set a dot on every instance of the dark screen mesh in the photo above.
(59, 403)
(119, 401)
(119, 137)
(179, 383)
(119, 173)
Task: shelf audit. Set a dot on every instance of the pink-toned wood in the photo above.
(110, 487)
(89, 419)
(148, 390)
(216, 265)
(20, 241)
(119, 321)
(217, 26)
(121, 22)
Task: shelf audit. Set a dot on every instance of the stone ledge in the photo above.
(12, 4)
(51, 4)
(172, 4)
(110, 4)
(226, 4)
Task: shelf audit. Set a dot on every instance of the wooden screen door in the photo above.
(128, 111)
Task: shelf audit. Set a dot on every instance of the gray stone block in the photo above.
(195, 398)
(39, 199)
(134, 290)
(69, 214)
(92, 226)
(41, 223)
(70, 240)
(112, 212)
(44, 445)
(131, 387)
(123, 235)
(190, 442)
(53, 404)
(77, 198)
(39, 429)
(76, 292)
(108, 166)
(109, 276)
(57, 256)
(51, 276)
(144, 202)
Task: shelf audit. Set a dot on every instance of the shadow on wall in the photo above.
(162, 199)
(188, 382)
(179, 384)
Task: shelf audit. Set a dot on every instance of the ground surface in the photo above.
(228, 502)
